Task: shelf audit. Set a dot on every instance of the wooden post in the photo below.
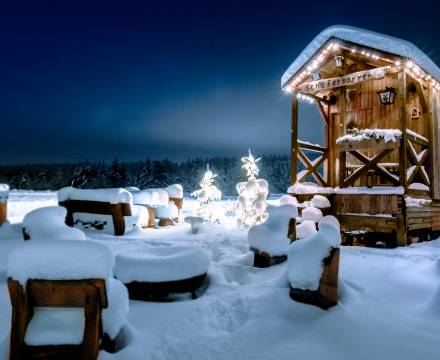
(294, 139)
(403, 161)
(3, 212)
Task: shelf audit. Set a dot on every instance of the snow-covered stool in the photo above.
(59, 293)
(313, 266)
(175, 194)
(151, 199)
(110, 210)
(160, 272)
(49, 223)
(269, 241)
(4, 194)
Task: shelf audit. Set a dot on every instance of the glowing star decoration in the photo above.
(208, 196)
(250, 165)
(252, 194)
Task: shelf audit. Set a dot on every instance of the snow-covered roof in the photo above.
(367, 38)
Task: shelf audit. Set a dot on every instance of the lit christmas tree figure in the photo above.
(207, 195)
(251, 202)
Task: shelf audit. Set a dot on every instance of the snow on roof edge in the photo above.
(366, 38)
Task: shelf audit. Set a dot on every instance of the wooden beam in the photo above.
(322, 111)
(294, 138)
(312, 167)
(311, 147)
(401, 96)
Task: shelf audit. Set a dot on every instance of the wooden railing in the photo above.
(417, 160)
(311, 166)
(347, 176)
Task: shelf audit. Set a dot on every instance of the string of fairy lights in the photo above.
(333, 47)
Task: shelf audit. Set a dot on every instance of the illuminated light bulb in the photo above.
(363, 52)
(409, 64)
(335, 46)
(288, 88)
(398, 63)
(353, 50)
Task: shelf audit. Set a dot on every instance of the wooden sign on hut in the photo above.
(379, 98)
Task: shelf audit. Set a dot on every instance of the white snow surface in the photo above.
(55, 260)
(311, 213)
(4, 193)
(384, 190)
(306, 229)
(246, 313)
(288, 199)
(305, 257)
(113, 196)
(150, 197)
(169, 211)
(175, 191)
(161, 263)
(388, 135)
(418, 186)
(49, 223)
(271, 236)
(363, 37)
(320, 202)
(55, 326)
(308, 188)
(114, 317)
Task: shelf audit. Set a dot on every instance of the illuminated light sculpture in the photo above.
(251, 201)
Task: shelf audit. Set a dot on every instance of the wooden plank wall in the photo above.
(435, 128)
(368, 204)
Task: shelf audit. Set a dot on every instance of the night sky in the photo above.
(99, 80)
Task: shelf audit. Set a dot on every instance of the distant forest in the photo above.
(145, 174)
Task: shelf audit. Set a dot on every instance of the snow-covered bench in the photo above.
(163, 204)
(161, 271)
(313, 265)
(95, 207)
(49, 223)
(63, 299)
(269, 241)
(4, 194)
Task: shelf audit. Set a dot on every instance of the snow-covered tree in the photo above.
(252, 194)
(208, 195)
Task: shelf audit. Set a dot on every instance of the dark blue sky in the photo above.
(99, 79)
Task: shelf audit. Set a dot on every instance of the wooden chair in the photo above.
(88, 294)
(117, 211)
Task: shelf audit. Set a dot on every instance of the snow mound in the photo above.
(288, 199)
(320, 202)
(306, 229)
(167, 212)
(418, 186)
(308, 188)
(175, 191)
(311, 213)
(330, 220)
(161, 263)
(55, 326)
(55, 260)
(49, 223)
(366, 38)
(113, 196)
(305, 257)
(114, 317)
(4, 193)
(150, 197)
(271, 236)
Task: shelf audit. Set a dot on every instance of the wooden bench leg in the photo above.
(118, 219)
(93, 328)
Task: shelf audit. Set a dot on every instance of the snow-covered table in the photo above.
(162, 270)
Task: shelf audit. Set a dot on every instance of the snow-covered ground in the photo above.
(389, 306)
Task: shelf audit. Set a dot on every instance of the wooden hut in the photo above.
(379, 98)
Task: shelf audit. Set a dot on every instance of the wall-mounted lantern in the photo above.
(387, 95)
(339, 61)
